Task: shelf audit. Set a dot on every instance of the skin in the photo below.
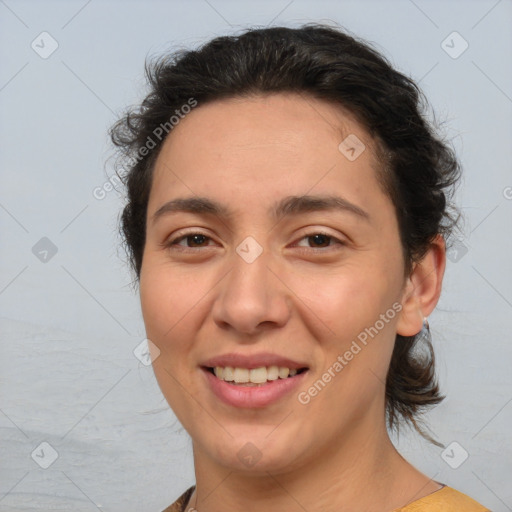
(302, 298)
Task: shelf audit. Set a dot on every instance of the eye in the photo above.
(320, 240)
(197, 240)
(193, 240)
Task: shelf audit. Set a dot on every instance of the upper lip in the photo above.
(251, 361)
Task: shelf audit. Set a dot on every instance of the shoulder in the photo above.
(180, 504)
(446, 499)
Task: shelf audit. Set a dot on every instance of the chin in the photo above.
(257, 455)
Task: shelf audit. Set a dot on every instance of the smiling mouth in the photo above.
(254, 376)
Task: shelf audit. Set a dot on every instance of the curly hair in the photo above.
(417, 168)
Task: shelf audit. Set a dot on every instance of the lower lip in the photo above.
(252, 396)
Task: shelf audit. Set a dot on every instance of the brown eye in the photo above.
(189, 241)
(196, 239)
(319, 239)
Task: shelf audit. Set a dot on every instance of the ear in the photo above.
(422, 289)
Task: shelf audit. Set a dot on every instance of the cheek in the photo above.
(346, 300)
(155, 297)
(350, 303)
(164, 305)
(165, 302)
(174, 306)
(166, 296)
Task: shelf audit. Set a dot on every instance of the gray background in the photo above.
(70, 323)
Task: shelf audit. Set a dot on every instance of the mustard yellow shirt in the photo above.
(445, 499)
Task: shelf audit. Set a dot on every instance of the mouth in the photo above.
(253, 388)
(254, 377)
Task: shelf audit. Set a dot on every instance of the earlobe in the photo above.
(422, 289)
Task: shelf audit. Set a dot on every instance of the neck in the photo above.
(363, 471)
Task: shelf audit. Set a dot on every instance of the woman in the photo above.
(288, 206)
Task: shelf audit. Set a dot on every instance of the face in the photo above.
(248, 277)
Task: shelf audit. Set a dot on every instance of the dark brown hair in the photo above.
(418, 169)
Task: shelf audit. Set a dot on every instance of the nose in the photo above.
(252, 297)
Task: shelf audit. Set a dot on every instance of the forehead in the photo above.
(262, 146)
(289, 119)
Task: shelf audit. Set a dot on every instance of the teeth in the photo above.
(254, 375)
(258, 375)
(284, 372)
(241, 375)
(227, 373)
(272, 373)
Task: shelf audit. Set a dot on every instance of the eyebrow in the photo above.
(289, 206)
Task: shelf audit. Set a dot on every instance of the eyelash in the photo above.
(172, 244)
